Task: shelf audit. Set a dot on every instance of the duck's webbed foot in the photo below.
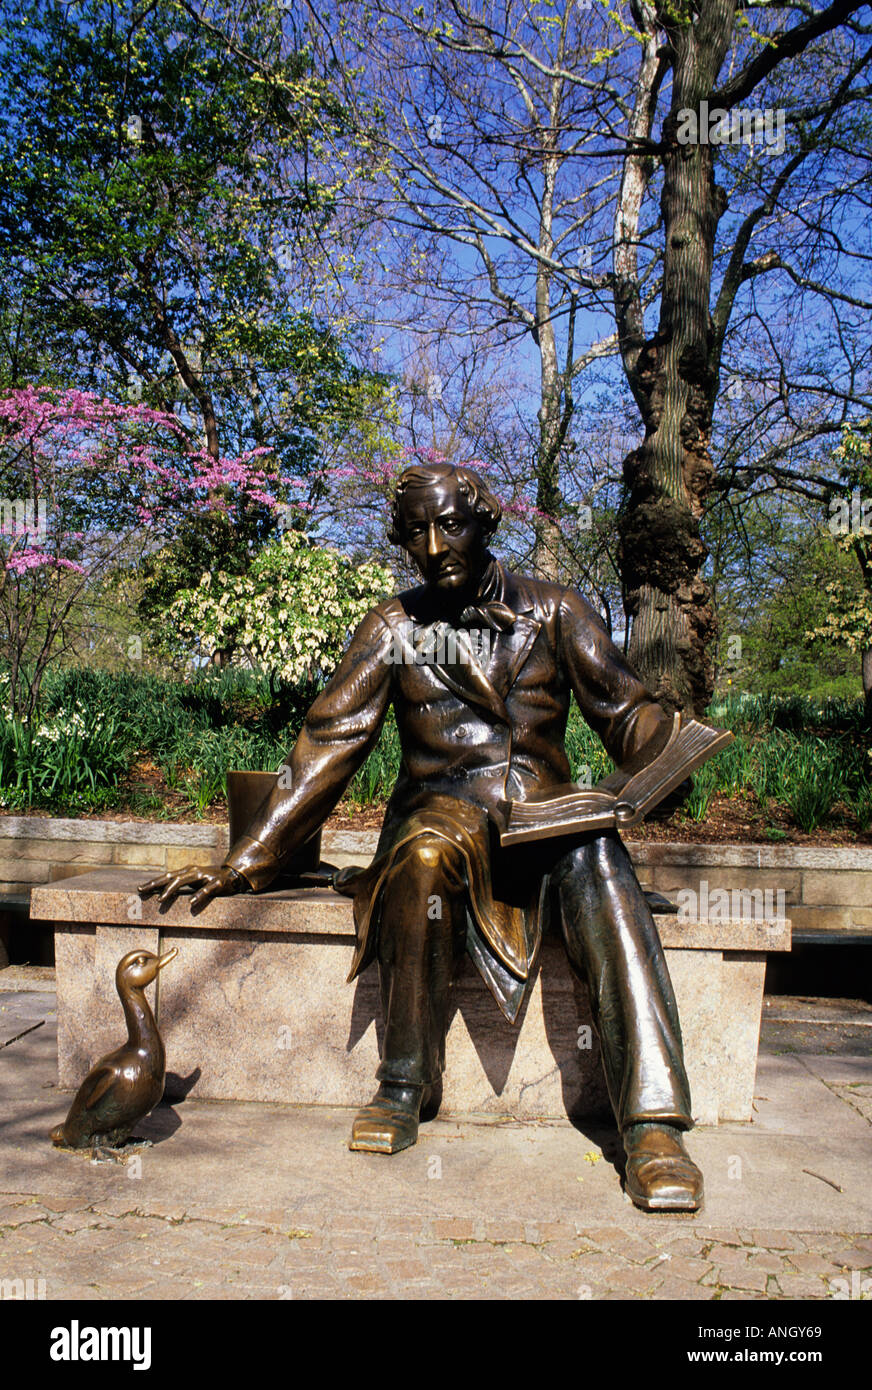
(104, 1153)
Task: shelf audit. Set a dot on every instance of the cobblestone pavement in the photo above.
(244, 1201)
(84, 1253)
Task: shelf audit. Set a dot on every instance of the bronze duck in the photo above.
(126, 1084)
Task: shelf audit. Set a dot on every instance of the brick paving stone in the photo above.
(352, 1244)
(721, 1236)
(774, 1240)
(765, 1261)
(629, 1245)
(685, 1267)
(316, 1286)
(166, 1211)
(727, 1257)
(13, 1217)
(598, 1265)
(802, 1286)
(747, 1278)
(242, 1235)
(848, 1258)
(82, 1293)
(674, 1288)
(366, 1283)
(823, 1242)
(636, 1278)
(168, 1266)
(37, 1236)
(207, 1291)
(554, 1230)
(600, 1235)
(411, 1270)
(738, 1296)
(400, 1224)
(566, 1249)
(74, 1221)
(511, 1230)
(254, 1255)
(453, 1229)
(477, 1251)
(686, 1245)
(807, 1262)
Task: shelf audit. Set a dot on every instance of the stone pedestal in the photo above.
(255, 1007)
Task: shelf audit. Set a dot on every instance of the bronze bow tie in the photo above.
(497, 616)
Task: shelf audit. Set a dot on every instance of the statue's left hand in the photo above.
(211, 882)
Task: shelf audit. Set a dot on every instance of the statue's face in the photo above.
(443, 536)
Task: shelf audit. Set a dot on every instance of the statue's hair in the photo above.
(470, 484)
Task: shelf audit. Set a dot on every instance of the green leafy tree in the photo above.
(849, 597)
(770, 563)
(290, 615)
(165, 176)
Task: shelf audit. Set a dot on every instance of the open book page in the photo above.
(624, 797)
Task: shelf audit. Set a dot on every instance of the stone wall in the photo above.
(822, 890)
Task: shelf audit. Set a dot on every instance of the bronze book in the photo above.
(624, 797)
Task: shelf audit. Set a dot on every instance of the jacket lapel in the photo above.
(459, 667)
(464, 675)
(510, 651)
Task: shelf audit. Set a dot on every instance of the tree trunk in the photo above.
(867, 680)
(552, 421)
(673, 379)
(546, 555)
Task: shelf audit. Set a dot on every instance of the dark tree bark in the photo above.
(670, 374)
(674, 374)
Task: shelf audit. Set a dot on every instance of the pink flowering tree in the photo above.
(85, 483)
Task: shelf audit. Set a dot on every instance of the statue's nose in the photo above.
(435, 540)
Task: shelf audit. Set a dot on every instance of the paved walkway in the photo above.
(266, 1202)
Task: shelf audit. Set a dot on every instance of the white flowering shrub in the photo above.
(290, 614)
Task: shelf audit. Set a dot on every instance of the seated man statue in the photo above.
(480, 664)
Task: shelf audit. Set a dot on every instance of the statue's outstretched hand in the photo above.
(213, 881)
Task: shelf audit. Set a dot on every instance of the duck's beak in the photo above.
(165, 960)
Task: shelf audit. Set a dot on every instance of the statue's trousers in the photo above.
(612, 944)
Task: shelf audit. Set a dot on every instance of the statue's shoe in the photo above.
(390, 1122)
(660, 1174)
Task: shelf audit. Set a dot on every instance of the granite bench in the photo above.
(255, 1007)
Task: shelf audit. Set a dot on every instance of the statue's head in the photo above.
(444, 517)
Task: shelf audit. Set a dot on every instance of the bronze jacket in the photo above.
(477, 723)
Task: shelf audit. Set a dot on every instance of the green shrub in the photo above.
(810, 756)
(813, 780)
(705, 785)
(71, 761)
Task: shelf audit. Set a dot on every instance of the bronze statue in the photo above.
(479, 664)
(125, 1085)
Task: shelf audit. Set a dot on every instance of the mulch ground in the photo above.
(737, 819)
